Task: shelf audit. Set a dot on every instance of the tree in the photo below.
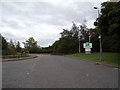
(109, 24)
(66, 33)
(11, 48)
(84, 33)
(6, 50)
(18, 47)
(74, 30)
(31, 45)
(11, 44)
(65, 45)
(4, 43)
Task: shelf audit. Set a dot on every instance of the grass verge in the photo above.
(107, 57)
(15, 56)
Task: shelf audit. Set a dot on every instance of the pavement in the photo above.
(49, 71)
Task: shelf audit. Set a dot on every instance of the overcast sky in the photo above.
(44, 20)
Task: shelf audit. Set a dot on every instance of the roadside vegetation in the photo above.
(107, 57)
(15, 56)
(11, 49)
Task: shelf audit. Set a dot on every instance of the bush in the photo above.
(8, 52)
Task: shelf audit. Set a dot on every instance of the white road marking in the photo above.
(87, 75)
(28, 73)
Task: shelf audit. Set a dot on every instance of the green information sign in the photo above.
(87, 47)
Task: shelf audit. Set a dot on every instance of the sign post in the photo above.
(87, 47)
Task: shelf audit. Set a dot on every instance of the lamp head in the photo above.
(95, 7)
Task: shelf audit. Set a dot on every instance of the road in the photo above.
(48, 71)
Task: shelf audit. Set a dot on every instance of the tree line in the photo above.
(69, 41)
(9, 48)
(14, 47)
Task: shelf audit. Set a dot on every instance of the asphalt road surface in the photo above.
(48, 71)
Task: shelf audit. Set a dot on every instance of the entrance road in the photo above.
(48, 71)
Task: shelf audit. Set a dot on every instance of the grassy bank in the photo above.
(15, 56)
(107, 57)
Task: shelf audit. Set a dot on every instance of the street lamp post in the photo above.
(79, 39)
(79, 45)
(89, 35)
(99, 35)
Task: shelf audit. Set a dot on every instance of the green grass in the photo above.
(107, 57)
(0, 56)
(15, 56)
(40, 53)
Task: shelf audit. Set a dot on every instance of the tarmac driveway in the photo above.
(48, 71)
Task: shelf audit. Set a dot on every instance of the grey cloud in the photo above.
(27, 18)
(11, 36)
(56, 15)
(11, 23)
